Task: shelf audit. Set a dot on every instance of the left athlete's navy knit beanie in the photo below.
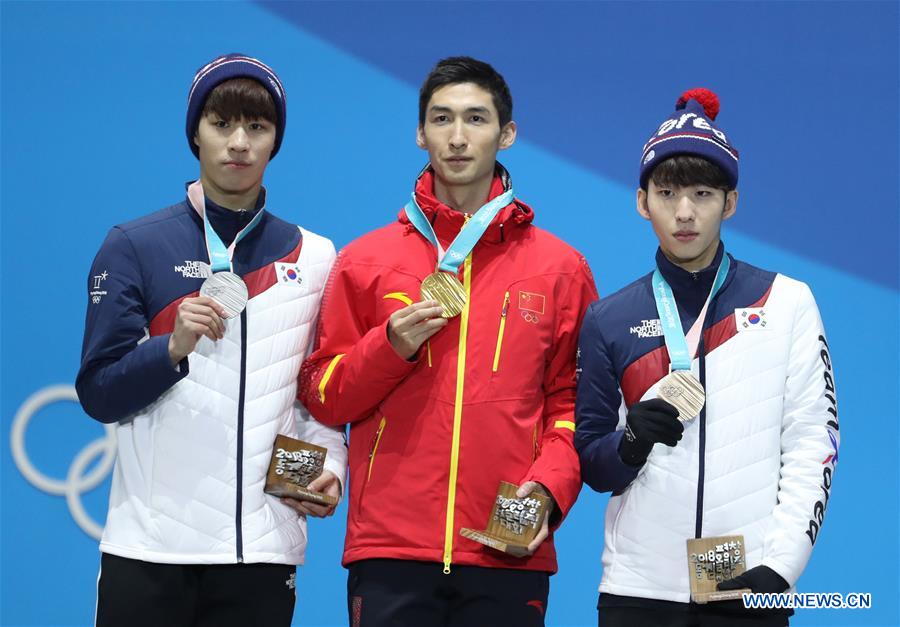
(690, 131)
(224, 68)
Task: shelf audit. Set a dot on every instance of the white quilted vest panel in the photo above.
(174, 492)
(647, 525)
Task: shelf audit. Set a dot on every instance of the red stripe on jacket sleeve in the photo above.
(643, 373)
(164, 321)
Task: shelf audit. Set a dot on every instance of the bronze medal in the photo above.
(684, 392)
(446, 289)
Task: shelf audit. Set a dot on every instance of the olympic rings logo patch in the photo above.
(76, 482)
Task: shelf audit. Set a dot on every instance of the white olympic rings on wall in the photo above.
(76, 482)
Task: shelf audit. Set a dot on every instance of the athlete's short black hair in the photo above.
(688, 170)
(454, 70)
(239, 98)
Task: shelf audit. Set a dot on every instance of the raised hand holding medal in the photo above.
(443, 285)
(224, 286)
(195, 318)
(410, 327)
(222, 296)
(443, 296)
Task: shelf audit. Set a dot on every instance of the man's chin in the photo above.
(686, 255)
(235, 187)
(458, 178)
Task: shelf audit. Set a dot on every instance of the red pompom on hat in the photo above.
(690, 130)
(708, 99)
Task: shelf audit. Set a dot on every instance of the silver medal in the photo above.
(227, 289)
(682, 390)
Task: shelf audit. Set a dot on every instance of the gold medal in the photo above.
(446, 289)
(681, 389)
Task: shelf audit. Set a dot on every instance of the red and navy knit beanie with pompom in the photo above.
(690, 131)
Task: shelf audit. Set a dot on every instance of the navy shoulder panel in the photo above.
(622, 305)
(747, 286)
(629, 323)
(272, 240)
(146, 226)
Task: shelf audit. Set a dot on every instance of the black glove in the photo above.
(647, 423)
(758, 579)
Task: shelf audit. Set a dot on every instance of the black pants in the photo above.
(615, 611)
(132, 593)
(401, 593)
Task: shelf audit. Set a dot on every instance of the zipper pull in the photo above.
(503, 313)
(377, 437)
(446, 567)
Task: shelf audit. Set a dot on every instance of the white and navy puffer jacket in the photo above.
(194, 442)
(758, 460)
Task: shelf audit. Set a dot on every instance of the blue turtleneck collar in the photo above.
(689, 288)
(229, 222)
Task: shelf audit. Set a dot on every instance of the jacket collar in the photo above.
(681, 280)
(447, 222)
(218, 214)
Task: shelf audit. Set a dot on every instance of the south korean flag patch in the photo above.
(750, 319)
(288, 274)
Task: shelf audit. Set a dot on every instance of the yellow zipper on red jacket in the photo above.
(375, 442)
(457, 412)
(503, 313)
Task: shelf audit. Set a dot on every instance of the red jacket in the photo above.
(490, 397)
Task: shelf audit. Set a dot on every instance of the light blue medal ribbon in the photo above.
(465, 241)
(219, 256)
(223, 285)
(676, 342)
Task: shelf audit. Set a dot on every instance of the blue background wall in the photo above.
(93, 100)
